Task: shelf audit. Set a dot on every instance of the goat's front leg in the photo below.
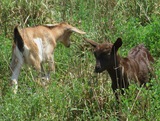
(51, 67)
(44, 76)
(116, 91)
(52, 64)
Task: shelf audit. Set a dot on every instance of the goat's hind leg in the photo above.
(15, 68)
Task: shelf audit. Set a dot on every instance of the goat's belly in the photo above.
(47, 54)
(31, 57)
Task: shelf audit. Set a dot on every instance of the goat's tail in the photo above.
(150, 57)
(18, 39)
(150, 61)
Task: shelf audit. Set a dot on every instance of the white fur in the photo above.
(38, 42)
(16, 70)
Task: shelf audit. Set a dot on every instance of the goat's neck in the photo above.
(119, 80)
(58, 32)
(115, 72)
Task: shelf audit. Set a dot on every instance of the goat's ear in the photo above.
(117, 45)
(93, 43)
(74, 29)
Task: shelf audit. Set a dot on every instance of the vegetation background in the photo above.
(75, 91)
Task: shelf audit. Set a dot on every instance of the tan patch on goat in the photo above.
(27, 35)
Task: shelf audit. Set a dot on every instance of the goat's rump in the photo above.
(140, 52)
(144, 59)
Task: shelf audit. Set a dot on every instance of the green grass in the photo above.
(75, 91)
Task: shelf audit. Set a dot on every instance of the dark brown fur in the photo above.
(136, 66)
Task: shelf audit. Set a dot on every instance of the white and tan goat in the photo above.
(35, 46)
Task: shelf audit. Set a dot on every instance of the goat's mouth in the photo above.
(68, 46)
(98, 70)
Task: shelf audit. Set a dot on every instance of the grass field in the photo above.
(76, 93)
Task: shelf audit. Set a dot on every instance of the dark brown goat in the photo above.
(136, 66)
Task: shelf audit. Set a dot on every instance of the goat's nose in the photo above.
(97, 68)
(68, 45)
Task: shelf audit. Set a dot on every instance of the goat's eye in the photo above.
(108, 54)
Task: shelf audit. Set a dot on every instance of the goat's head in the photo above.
(104, 54)
(67, 31)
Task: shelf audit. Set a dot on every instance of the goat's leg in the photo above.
(42, 72)
(44, 76)
(114, 88)
(13, 62)
(14, 77)
(16, 63)
(41, 75)
(51, 67)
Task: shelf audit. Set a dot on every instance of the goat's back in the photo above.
(140, 51)
(143, 57)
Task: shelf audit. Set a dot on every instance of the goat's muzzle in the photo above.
(98, 69)
(68, 45)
